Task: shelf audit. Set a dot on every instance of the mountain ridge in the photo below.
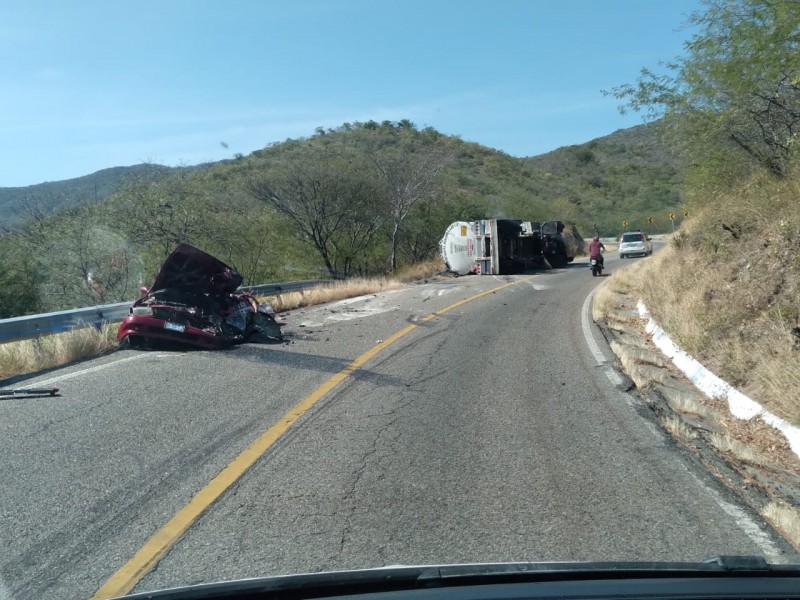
(52, 196)
(627, 169)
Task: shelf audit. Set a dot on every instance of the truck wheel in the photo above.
(559, 261)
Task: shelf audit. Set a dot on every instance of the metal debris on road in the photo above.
(30, 392)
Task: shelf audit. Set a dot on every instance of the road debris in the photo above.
(30, 392)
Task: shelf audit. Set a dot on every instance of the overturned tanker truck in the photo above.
(505, 246)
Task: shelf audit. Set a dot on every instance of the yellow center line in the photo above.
(156, 547)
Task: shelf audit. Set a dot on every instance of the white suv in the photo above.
(635, 243)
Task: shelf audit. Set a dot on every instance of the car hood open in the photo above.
(189, 269)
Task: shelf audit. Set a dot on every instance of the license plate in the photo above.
(174, 327)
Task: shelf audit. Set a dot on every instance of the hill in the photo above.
(17, 203)
(630, 175)
(360, 199)
(627, 175)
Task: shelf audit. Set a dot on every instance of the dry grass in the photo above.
(338, 290)
(627, 279)
(642, 356)
(351, 288)
(768, 447)
(685, 404)
(640, 365)
(727, 290)
(605, 300)
(678, 429)
(707, 315)
(612, 295)
(28, 356)
(738, 450)
(785, 519)
(422, 270)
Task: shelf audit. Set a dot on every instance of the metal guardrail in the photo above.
(31, 326)
(268, 289)
(21, 328)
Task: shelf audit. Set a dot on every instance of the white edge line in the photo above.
(752, 528)
(587, 330)
(613, 377)
(74, 374)
(594, 348)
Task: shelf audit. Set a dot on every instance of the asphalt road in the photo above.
(489, 432)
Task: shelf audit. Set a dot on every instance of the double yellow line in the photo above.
(158, 545)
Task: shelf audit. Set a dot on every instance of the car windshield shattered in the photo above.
(339, 298)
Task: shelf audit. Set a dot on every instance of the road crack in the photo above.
(379, 440)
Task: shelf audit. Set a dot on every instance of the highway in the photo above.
(495, 429)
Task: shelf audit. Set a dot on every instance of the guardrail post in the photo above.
(37, 348)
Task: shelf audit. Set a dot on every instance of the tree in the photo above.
(408, 163)
(331, 201)
(19, 281)
(159, 215)
(739, 83)
(564, 210)
(74, 258)
(427, 221)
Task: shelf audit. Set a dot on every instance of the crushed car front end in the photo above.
(140, 327)
(194, 301)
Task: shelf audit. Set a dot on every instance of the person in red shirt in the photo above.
(596, 249)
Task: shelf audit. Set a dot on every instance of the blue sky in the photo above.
(94, 84)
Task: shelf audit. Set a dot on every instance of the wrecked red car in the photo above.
(195, 300)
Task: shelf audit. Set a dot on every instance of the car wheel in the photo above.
(130, 342)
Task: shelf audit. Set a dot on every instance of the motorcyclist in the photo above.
(596, 248)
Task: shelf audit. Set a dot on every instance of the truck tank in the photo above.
(504, 246)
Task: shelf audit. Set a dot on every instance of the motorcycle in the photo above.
(596, 267)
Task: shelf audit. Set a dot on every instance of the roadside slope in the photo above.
(727, 290)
